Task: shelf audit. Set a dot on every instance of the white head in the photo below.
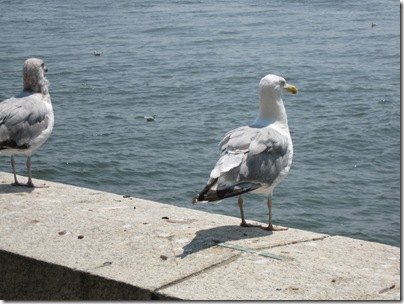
(33, 74)
(271, 88)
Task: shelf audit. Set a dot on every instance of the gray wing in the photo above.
(250, 158)
(21, 121)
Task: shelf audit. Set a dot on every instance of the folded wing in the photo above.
(21, 121)
(251, 158)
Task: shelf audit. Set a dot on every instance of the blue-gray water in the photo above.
(197, 64)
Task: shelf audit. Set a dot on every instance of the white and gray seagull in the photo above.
(150, 118)
(26, 120)
(254, 158)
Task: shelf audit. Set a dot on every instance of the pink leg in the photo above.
(270, 226)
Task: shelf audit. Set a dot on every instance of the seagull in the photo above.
(149, 118)
(254, 158)
(26, 120)
(97, 53)
(374, 24)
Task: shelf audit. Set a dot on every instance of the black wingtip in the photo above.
(209, 195)
(203, 195)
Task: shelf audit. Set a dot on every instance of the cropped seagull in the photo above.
(254, 158)
(26, 120)
(148, 118)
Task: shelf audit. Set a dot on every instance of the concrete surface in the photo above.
(66, 242)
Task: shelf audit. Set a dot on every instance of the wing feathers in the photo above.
(21, 120)
(250, 158)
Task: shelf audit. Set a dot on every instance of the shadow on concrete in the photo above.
(9, 188)
(211, 237)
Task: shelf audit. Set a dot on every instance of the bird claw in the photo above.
(244, 224)
(275, 228)
(41, 186)
(29, 185)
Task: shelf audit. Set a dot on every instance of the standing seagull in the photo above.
(254, 158)
(26, 121)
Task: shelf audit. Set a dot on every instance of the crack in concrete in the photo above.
(295, 242)
(210, 267)
(228, 261)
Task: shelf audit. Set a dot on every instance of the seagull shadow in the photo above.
(9, 188)
(205, 239)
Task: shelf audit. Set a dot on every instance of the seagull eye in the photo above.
(282, 82)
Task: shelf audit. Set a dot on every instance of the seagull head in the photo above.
(33, 73)
(272, 86)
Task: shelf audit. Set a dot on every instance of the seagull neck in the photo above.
(273, 111)
(33, 86)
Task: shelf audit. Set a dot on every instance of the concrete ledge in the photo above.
(71, 243)
(23, 278)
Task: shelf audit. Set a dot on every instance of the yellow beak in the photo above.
(291, 88)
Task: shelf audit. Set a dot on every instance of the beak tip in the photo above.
(292, 89)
